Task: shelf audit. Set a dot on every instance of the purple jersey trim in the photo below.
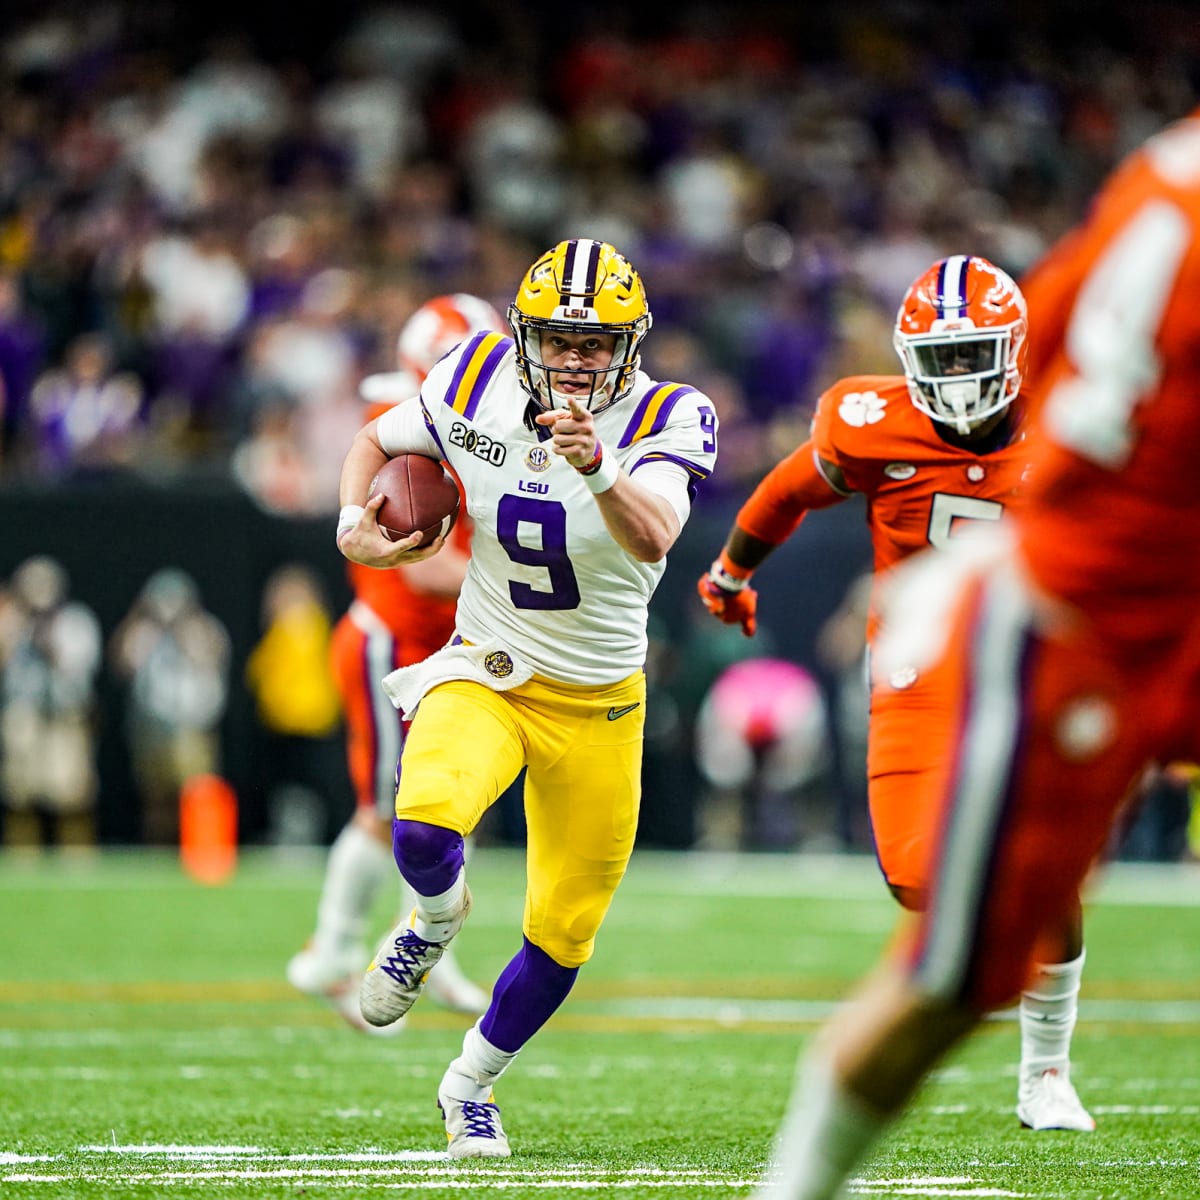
(432, 429)
(653, 411)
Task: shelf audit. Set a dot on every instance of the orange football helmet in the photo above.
(429, 335)
(961, 336)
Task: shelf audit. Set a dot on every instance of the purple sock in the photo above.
(429, 857)
(528, 991)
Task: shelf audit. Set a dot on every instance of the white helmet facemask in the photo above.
(958, 377)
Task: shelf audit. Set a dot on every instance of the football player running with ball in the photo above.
(935, 452)
(579, 473)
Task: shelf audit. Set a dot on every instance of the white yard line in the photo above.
(405, 1170)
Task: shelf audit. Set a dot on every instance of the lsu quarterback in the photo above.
(579, 472)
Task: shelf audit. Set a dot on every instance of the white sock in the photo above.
(472, 1074)
(438, 916)
(357, 868)
(1049, 1008)
(824, 1135)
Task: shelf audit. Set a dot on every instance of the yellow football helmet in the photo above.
(580, 286)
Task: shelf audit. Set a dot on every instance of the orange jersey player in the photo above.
(1072, 636)
(934, 451)
(397, 617)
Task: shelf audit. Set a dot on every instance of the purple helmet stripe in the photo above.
(593, 267)
(579, 273)
(568, 279)
(952, 286)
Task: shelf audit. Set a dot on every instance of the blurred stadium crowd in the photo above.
(210, 228)
(214, 223)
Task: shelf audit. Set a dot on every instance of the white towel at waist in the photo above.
(488, 663)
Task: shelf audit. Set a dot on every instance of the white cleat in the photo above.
(473, 1128)
(335, 979)
(450, 988)
(396, 975)
(1049, 1101)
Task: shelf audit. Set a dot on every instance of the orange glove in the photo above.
(728, 595)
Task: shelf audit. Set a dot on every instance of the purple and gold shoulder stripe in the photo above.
(477, 363)
(653, 411)
(695, 471)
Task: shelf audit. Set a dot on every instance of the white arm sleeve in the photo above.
(402, 430)
(669, 481)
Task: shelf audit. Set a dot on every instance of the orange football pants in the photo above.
(362, 651)
(907, 765)
(1049, 733)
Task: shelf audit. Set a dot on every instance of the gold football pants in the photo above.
(582, 747)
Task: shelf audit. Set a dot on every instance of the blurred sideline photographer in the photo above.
(1073, 634)
(174, 656)
(50, 653)
(761, 743)
(298, 759)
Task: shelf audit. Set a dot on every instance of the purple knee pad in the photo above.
(528, 991)
(429, 857)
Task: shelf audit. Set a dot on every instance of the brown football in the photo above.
(420, 494)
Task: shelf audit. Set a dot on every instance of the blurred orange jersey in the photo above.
(1114, 526)
(411, 614)
(390, 624)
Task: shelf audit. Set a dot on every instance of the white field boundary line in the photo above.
(406, 1170)
(353, 1180)
(934, 1185)
(857, 877)
(659, 1014)
(399, 1171)
(395, 1177)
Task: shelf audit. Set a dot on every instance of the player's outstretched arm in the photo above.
(774, 510)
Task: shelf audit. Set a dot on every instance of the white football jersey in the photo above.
(546, 577)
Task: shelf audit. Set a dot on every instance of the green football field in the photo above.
(149, 1045)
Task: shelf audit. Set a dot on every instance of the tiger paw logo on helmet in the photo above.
(581, 286)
